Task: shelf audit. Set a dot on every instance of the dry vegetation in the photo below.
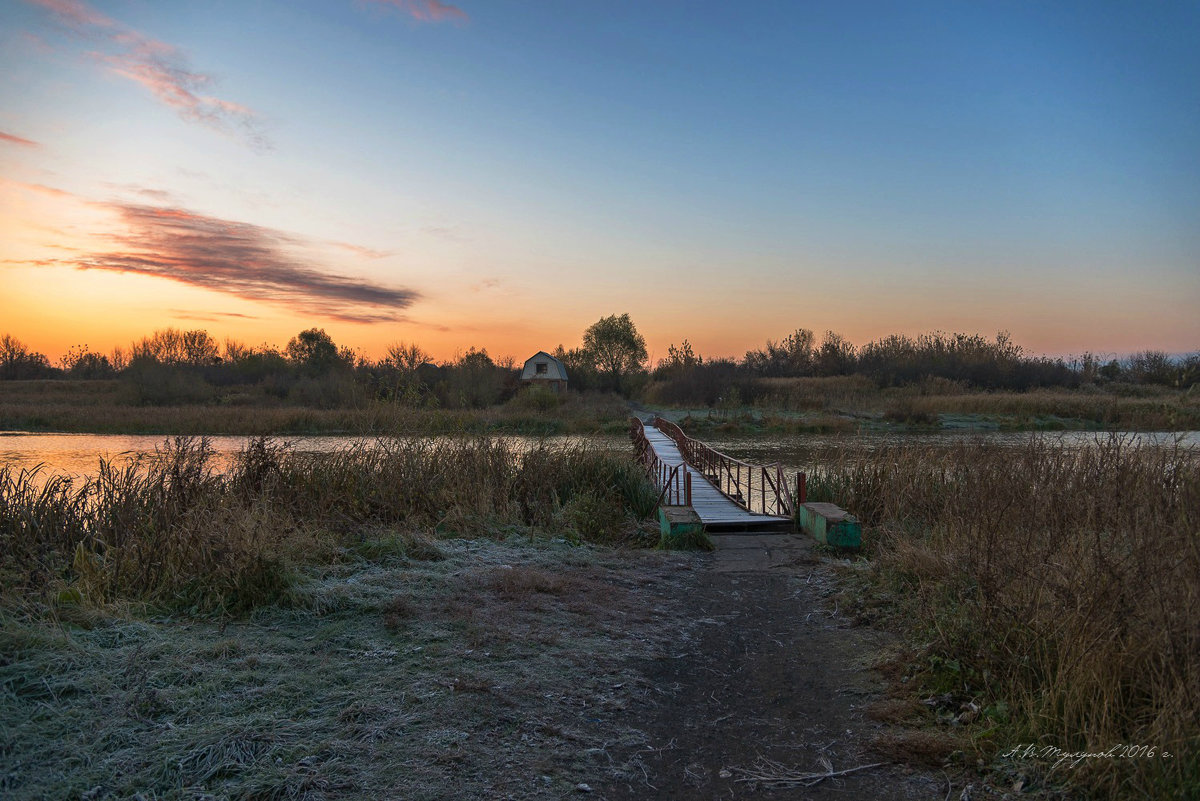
(1055, 595)
(172, 531)
(852, 403)
(103, 407)
(1138, 409)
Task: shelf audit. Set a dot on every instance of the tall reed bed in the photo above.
(1058, 587)
(172, 530)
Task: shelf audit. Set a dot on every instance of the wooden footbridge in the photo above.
(727, 494)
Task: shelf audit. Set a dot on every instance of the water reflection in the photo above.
(79, 455)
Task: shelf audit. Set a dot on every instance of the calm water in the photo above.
(80, 454)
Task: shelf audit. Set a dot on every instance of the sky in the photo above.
(503, 173)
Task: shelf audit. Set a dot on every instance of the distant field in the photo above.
(848, 404)
(103, 407)
(795, 405)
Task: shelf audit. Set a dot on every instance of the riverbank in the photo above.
(230, 539)
(101, 407)
(808, 406)
(404, 620)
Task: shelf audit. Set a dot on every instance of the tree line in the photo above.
(966, 361)
(173, 366)
(178, 366)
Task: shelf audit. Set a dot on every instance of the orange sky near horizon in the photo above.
(55, 305)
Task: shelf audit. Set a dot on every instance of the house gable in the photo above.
(541, 366)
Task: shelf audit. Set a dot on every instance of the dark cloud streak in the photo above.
(239, 259)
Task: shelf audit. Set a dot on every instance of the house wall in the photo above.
(554, 370)
(553, 384)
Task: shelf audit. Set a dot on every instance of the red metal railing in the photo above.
(756, 488)
(673, 482)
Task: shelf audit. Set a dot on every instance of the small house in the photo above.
(543, 370)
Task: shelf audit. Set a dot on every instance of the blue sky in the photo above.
(506, 173)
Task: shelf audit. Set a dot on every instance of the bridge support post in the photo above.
(680, 526)
(830, 525)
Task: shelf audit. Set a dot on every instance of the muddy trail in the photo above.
(766, 691)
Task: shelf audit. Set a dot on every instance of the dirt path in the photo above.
(469, 670)
(767, 680)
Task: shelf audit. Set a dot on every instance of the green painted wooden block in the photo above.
(678, 521)
(830, 524)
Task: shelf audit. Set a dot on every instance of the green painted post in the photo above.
(830, 525)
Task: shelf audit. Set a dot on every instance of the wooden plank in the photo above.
(710, 504)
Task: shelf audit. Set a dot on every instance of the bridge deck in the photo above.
(716, 511)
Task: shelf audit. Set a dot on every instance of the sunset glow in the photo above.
(502, 174)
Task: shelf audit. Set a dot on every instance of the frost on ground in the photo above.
(481, 670)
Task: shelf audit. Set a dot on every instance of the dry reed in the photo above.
(170, 530)
(1058, 586)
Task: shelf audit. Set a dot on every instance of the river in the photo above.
(79, 455)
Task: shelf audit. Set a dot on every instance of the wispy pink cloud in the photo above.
(17, 140)
(75, 14)
(31, 262)
(160, 196)
(448, 232)
(427, 10)
(365, 252)
(158, 66)
(40, 189)
(437, 326)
